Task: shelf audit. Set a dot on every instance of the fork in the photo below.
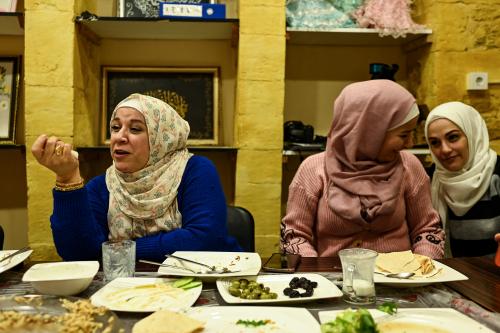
(211, 269)
(13, 254)
(166, 265)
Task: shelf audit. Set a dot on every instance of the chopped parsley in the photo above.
(253, 323)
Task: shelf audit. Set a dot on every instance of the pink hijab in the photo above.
(360, 188)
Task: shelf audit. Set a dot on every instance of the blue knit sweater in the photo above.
(79, 220)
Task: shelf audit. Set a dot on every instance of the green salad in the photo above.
(357, 321)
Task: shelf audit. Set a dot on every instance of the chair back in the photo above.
(240, 225)
(1, 238)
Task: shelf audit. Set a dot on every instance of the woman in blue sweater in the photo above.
(156, 192)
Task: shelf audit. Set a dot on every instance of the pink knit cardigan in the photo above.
(311, 228)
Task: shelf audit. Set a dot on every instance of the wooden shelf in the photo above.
(349, 37)
(11, 24)
(157, 28)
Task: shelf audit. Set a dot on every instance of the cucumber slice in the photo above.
(190, 285)
(182, 282)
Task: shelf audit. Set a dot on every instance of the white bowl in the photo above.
(61, 278)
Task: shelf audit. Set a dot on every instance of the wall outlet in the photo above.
(477, 81)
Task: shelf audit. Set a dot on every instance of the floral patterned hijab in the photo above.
(360, 188)
(145, 202)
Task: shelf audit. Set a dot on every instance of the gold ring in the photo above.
(59, 150)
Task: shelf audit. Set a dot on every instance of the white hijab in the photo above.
(461, 190)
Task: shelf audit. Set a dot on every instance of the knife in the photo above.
(13, 254)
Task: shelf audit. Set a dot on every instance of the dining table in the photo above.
(478, 297)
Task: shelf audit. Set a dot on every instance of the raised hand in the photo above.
(57, 156)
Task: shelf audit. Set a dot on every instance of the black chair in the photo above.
(1, 238)
(240, 225)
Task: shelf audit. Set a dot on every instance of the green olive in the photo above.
(234, 291)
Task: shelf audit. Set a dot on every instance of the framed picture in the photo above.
(147, 8)
(9, 87)
(8, 5)
(192, 92)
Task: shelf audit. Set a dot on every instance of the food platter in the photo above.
(223, 319)
(14, 261)
(60, 309)
(441, 273)
(144, 295)
(245, 263)
(426, 319)
(277, 283)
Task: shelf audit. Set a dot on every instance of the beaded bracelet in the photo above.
(69, 187)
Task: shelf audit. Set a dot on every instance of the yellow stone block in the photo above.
(49, 55)
(261, 97)
(261, 166)
(261, 57)
(263, 20)
(52, 5)
(49, 110)
(264, 3)
(260, 133)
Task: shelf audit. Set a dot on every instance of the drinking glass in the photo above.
(357, 270)
(118, 259)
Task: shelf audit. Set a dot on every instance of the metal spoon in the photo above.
(400, 275)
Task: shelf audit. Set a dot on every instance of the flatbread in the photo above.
(165, 321)
(395, 262)
(404, 261)
(426, 264)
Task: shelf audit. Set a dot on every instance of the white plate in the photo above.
(247, 263)
(222, 319)
(325, 288)
(15, 260)
(448, 320)
(133, 295)
(446, 274)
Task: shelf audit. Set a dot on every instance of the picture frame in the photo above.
(147, 8)
(8, 6)
(9, 91)
(192, 92)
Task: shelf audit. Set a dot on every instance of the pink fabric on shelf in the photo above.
(391, 17)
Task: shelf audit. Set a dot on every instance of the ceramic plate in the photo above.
(440, 320)
(276, 283)
(246, 263)
(443, 274)
(222, 319)
(144, 295)
(15, 260)
(55, 307)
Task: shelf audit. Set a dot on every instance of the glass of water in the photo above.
(118, 259)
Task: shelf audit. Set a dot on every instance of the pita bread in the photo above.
(165, 321)
(404, 261)
(395, 262)
(426, 264)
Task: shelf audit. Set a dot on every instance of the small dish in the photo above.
(13, 261)
(278, 319)
(144, 295)
(277, 283)
(429, 320)
(246, 263)
(61, 278)
(441, 273)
